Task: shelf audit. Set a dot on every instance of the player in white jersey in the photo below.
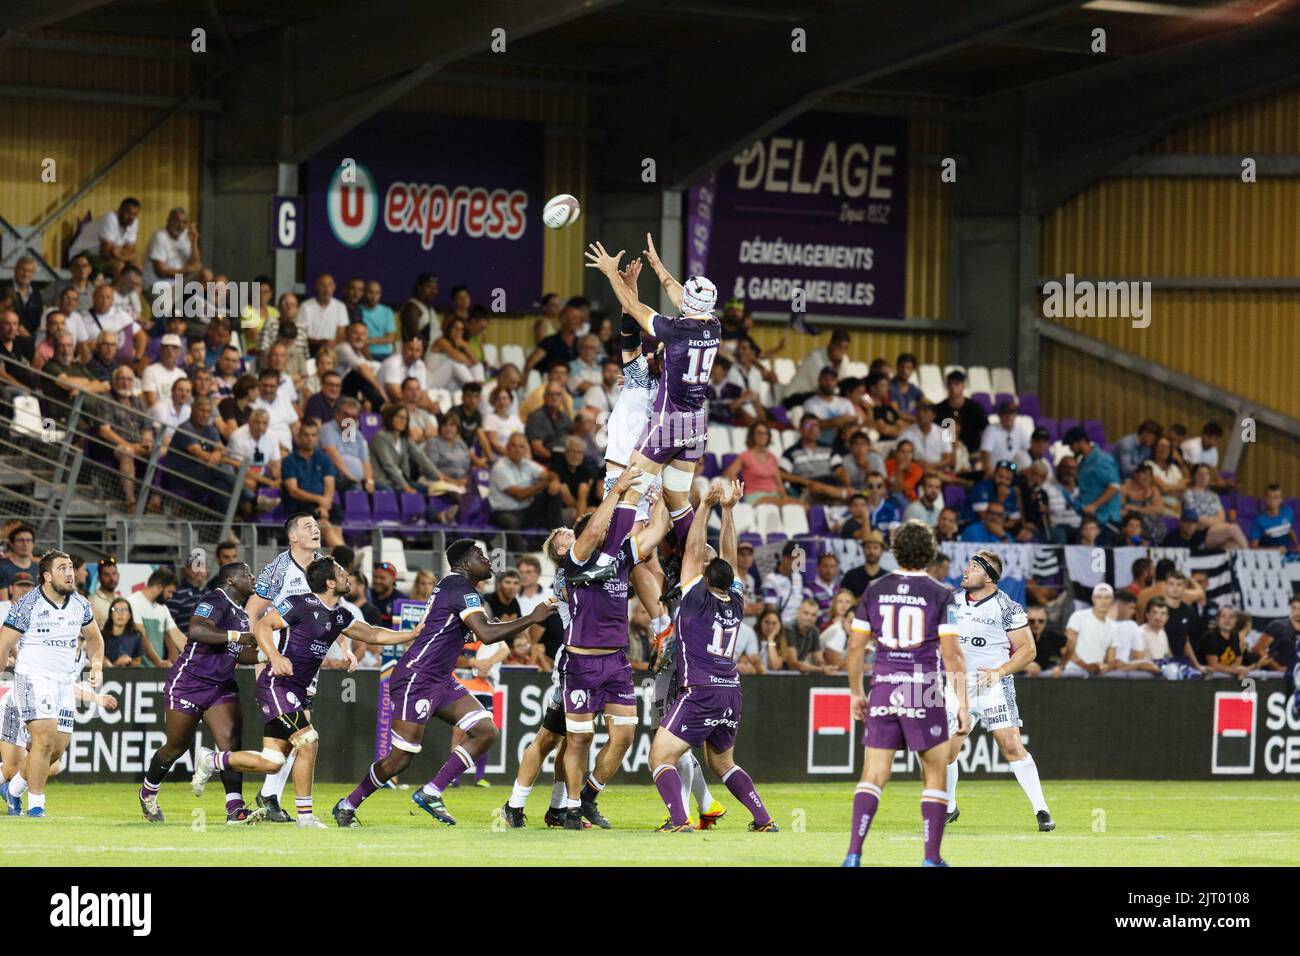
(285, 576)
(48, 624)
(994, 634)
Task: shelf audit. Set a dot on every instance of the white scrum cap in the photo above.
(699, 296)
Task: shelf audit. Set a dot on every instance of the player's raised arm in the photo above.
(593, 535)
(670, 285)
(490, 632)
(630, 331)
(94, 650)
(256, 606)
(728, 547)
(264, 634)
(649, 537)
(607, 265)
(696, 549)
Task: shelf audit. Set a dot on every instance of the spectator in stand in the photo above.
(523, 494)
(192, 586)
(1205, 505)
(55, 325)
(783, 588)
(110, 240)
(324, 316)
(254, 443)
(321, 405)
(1131, 450)
(991, 527)
(1221, 648)
(557, 374)
(812, 465)
(276, 359)
(82, 282)
(903, 393)
(450, 360)
(418, 315)
(172, 250)
(1036, 523)
(469, 417)
(759, 469)
(1002, 440)
(1040, 449)
(163, 640)
(804, 382)
(947, 529)
(449, 453)
(194, 459)
(308, 479)
(284, 417)
(27, 300)
(930, 449)
(1143, 573)
(1204, 450)
(128, 296)
(562, 346)
(586, 370)
(547, 427)
(581, 483)
(399, 462)
(1098, 477)
(1048, 643)
(1131, 659)
(104, 316)
(882, 512)
(125, 428)
(724, 400)
(159, 377)
(1189, 534)
(747, 574)
(858, 522)
(822, 588)
(16, 353)
(353, 292)
(347, 448)
(969, 420)
(1274, 527)
(232, 412)
(903, 474)
(531, 590)
(254, 317)
(383, 592)
(360, 372)
(887, 420)
(834, 411)
(19, 559)
(1283, 638)
(508, 378)
(124, 641)
(379, 320)
(171, 412)
(750, 377)
(1139, 495)
(1000, 487)
(1166, 473)
(1184, 626)
(1090, 532)
(856, 580)
(289, 312)
(1063, 508)
(834, 635)
(928, 505)
(862, 460)
(500, 423)
(407, 363)
(601, 397)
(803, 641)
(422, 423)
(1090, 638)
(461, 302)
(227, 372)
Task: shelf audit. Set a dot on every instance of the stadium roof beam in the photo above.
(1083, 127)
(737, 104)
(20, 16)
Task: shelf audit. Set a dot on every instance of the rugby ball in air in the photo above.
(561, 211)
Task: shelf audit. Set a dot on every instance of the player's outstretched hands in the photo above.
(624, 481)
(599, 259)
(630, 273)
(714, 494)
(281, 666)
(732, 494)
(652, 254)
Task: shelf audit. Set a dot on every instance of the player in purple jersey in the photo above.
(595, 673)
(424, 685)
(201, 686)
(907, 611)
(675, 437)
(707, 709)
(295, 636)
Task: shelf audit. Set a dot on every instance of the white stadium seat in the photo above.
(947, 369)
(795, 519)
(930, 382)
(784, 369)
(513, 355)
(27, 419)
(1004, 380)
(744, 518)
(977, 380)
(719, 441)
(768, 518)
(442, 397)
(739, 436)
(855, 370)
(533, 382)
(490, 354)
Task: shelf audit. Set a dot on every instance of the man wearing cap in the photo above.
(101, 599)
(159, 376)
(804, 383)
(1089, 638)
(1001, 440)
(383, 591)
(1098, 477)
(1188, 534)
(857, 579)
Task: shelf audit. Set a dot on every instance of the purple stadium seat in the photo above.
(711, 469)
(1247, 508)
(812, 552)
(1096, 430)
(985, 401)
(1030, 405)
(275, 516)
(1067, 424)
(1001, 397)
(385, 509)
(370, 424)
(727, 460)
(779, 415)
(817, 520)
(1053, 430)
(412, 508)
(954, 496)
(356, 509)
(753, 537)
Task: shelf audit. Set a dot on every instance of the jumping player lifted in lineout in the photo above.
(674, 438)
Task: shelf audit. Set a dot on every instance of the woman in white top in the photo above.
(1169, 478)
(500, 423)
(450, 358)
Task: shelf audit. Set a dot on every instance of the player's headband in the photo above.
(988, 568)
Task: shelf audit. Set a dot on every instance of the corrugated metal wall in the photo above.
(566, 161)
(1241, 341)
(162, 172)
(928, 219)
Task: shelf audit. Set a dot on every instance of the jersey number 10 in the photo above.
(907, 631)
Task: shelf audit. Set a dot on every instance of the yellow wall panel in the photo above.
(1270, 125)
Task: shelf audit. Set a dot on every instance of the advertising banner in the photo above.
(404, 194)
(816, 210)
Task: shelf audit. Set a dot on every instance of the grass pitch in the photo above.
(1099, 823)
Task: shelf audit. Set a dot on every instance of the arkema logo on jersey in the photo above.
(76, 909)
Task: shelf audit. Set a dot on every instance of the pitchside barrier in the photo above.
(793, 729)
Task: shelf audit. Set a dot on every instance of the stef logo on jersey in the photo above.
(1233, 751)
(830, 730)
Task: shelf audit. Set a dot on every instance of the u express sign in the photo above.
(406, 194)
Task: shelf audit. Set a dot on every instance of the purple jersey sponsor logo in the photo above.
(598, 614)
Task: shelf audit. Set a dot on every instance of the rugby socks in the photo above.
(153, 778)
(866, 800)
(35, 800)
(147, 789)
(221, 763)
(699, 787)
(591, 790)
(669, 783)
(233, 781)
(559, 795)
(368, 785)
(234, 802)
(274, 783)
(682, 524)
(17, 785)
(952, 786)
(304, 807)
(742, 788)
(518, 796)
(686, 770)
(480, 766)
(456, 764)
(1026, 772)
(934, 814)
(619, 527)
